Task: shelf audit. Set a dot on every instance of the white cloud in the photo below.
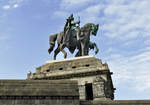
(142, 82)
(15, 5)
(133, 70)
(74, 3)
(91, 14)
(130, 20)
(6, 7)
(129, 43)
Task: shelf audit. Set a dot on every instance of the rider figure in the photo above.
(69, 27)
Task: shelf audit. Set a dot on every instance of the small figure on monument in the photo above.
(69, 27)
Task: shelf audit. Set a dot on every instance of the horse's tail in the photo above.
(52, 40)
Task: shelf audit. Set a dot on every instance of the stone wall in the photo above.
(38, 92)
(36, 101)
(39, 102)
(116, 102)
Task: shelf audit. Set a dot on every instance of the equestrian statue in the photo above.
(73, 37)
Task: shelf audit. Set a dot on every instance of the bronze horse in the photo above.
(79, 38)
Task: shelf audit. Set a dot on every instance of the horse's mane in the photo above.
(86, 26)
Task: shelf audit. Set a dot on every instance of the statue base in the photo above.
(94, 78)
(76, 81)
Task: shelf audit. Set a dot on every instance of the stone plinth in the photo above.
(94, 78)
(116, 102)
(38, 92)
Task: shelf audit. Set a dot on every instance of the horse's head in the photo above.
(90, 27)
(94, 29)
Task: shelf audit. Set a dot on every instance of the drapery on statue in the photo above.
(73, 37)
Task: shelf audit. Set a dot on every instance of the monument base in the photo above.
(94, 78)
(77, 81)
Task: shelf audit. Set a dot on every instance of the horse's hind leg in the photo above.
(64, 52)
(56, 52)
(82, 49)
(51, 48)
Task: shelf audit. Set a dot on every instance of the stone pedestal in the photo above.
(94, 78)
(38, 92)
(76, 81)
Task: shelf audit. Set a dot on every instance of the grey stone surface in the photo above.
(116, 102)
(39, 92)
(38, 88)
(38, 102)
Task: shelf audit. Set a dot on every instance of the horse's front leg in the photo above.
(97, 50)
(93, 46)
(56, 52)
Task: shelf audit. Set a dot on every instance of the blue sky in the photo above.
(123, 38)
